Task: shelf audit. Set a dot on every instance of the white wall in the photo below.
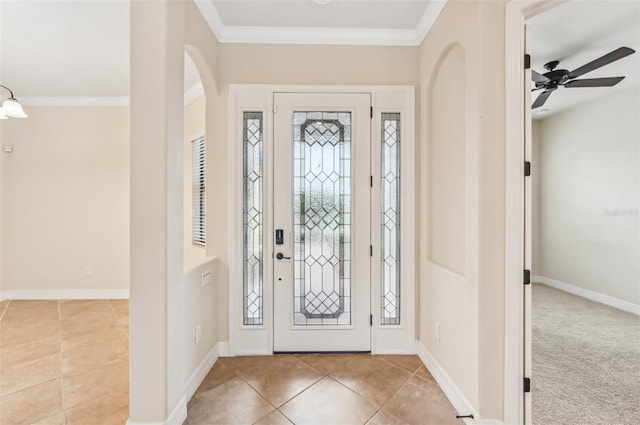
(535, 197)
(65, 197)
(589, 220)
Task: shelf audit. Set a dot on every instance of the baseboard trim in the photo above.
(201, 372)
(179, 413)
(176, 417)
(590, 295)
(451, 390)
(65, 294)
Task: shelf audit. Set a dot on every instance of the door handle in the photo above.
(280, 256)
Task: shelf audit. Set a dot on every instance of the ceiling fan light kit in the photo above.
(11, 108)
(554, 78)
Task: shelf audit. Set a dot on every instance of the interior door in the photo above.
(322, 203)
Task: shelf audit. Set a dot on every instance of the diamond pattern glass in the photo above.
(253, 218)
(390, 228)
(322, 218)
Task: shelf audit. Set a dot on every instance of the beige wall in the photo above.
(1, 213)
(466, 298)
(65, 192)
(299, 64)
(589, 166)
(295, 64)
(445, 155)
(194, 128)
(161, 355)
(199, 309)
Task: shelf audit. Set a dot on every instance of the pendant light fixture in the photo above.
(11, 108)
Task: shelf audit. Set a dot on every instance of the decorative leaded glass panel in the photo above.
(253, 217)
(390, 229)
(322, 218)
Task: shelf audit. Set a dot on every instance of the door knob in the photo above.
(280, 256)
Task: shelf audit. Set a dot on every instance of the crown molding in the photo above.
(74, 101)
(327, 36)
(211, 16)
(189, 96)
(429, 17)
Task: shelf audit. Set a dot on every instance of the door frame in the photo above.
(258, 339)
(516, 245)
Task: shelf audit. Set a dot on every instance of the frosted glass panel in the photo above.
(390, 229)
(322, 218)
(253, 218)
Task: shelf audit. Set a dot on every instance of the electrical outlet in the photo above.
(438, 331)
(198, 332)
(206, 278)
(88, 272)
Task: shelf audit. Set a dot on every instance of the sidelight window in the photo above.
(390, 219)
(253, 217)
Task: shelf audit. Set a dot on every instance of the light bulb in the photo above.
(12, 108)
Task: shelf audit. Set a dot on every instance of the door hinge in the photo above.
(371, 181)
(275, 109)
(527, 385)
(527, 61)
(371, 112)
(370, 250)
(527, 168)
(371, 320)
(527, 277)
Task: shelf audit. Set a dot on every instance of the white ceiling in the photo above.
(358, 22)
(399, 14)
(578, 32)
(57, 51)
(65, 49)
(77, 52)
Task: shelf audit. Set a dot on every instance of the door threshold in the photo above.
(322, 352)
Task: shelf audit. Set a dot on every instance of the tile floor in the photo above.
(66, 362)
(320, 389)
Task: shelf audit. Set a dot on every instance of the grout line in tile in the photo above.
(118, 318)
(391, 396)
(288, 418)
(5, 309)
(261, 417)
(64, 412)
(257, 392)
(322, 375)
(400, 367)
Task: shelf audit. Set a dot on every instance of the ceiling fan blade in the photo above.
(542, 98)
(595, 82)
(538, 78)
(602, 61)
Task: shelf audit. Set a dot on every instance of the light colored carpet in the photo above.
(586, 361)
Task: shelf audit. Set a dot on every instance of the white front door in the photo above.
(322, 222)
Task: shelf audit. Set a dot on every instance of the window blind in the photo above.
(199, 201)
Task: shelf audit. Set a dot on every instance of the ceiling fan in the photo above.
(554, 78)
